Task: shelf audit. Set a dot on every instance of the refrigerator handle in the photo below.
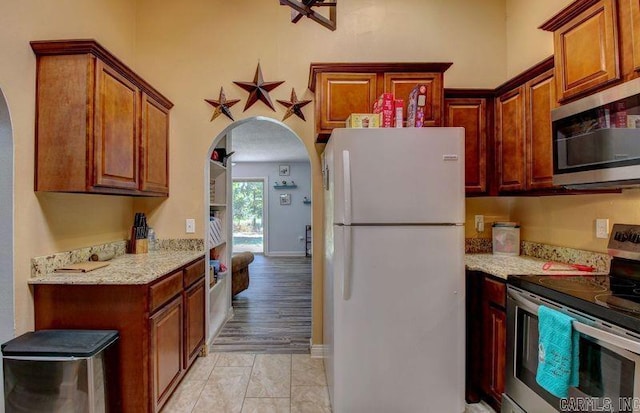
(346, 166)
(346, 273)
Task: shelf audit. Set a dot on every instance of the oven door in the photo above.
(609, 363)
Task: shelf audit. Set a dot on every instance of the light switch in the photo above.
(602, 228)
(190, 226)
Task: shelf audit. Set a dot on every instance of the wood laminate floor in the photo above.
(274, 314)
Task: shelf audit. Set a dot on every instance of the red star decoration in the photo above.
(222, 105)
(259, 89)
(294, 106)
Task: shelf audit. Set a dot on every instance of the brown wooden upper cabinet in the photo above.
(585, 47)
(471, 114)
(510, 124)
(100, 128)
(523, 146)
(540, 98)
(341, 94)
(635, 33)
(345, 88)
(401, 84)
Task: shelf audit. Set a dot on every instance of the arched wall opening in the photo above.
(7, 317)
(226, 138)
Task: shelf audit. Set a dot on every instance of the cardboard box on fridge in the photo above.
(363, 120)
(416, 106)
(384, 106)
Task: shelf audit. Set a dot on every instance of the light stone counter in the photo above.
(502, 266)
(126, 269)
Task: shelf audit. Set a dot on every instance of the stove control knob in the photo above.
(635, 238)
(621, 236)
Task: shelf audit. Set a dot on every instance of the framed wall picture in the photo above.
(284, 170)
(285, 199)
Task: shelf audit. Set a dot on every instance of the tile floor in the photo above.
(258, 383)
(252, 383)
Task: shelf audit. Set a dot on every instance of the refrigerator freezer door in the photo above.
(398, 340)
(397, 176)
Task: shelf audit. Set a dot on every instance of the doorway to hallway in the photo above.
(249, 215)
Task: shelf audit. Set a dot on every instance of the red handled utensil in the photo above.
(547, 266)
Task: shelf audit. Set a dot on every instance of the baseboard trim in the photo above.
(286, 254)
(318, 351)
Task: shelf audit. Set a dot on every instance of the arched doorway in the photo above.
(7, 323)
(280, 168)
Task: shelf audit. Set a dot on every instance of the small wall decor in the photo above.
(294, 106)
(284, 170)
(222, 106)
(285, 199)
(299, 9)
(259, 89)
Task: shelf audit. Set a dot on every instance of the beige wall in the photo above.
(558, 220)
(491, 208)
(570, 220)
(567, 220)
(54, 222)
(190, 49)
(526, 44)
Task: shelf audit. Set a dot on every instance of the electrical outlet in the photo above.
(479, 223)
(190, 226)
(602, 228)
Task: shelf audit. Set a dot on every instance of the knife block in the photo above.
(137, 246)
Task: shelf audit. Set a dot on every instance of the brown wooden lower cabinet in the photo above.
(161, 327)
(486, 339)
(166, 350)
(194, 321)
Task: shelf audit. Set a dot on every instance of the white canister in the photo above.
(506, 238)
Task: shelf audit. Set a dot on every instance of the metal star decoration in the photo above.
(222, 106)
(294, 106)
(259, 89)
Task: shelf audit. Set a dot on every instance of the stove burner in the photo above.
(577, 283)
(619, 302)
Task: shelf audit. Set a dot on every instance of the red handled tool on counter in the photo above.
(559, 266)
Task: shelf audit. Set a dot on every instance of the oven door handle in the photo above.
(594, 332)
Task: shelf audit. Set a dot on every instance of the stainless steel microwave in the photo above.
(596, 140)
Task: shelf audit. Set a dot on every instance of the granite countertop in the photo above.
(126, 269)
(502, 266)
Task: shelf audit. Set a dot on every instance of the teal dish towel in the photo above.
(558, 352)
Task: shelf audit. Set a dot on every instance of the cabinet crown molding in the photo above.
(566, 14)
(90, 46)
(316, 68)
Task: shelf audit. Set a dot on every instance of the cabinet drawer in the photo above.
(164, 290)
(193, 272)
(494, 292)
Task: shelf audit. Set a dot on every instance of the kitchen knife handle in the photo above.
(346, 179)
(346, 273)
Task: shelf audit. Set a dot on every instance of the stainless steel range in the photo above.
(606, 310)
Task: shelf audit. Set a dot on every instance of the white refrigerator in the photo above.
(394, 270)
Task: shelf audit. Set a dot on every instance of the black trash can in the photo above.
(57, 371)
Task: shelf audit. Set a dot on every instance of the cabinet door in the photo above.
(115, 130)
(194, 322)
(586, 50)
(471, 114)
(341, 94)
(494, 347)
(510, 140)
(401, 84)
(154, 146)
(166, 351)
(635, 32)
(540, 98)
